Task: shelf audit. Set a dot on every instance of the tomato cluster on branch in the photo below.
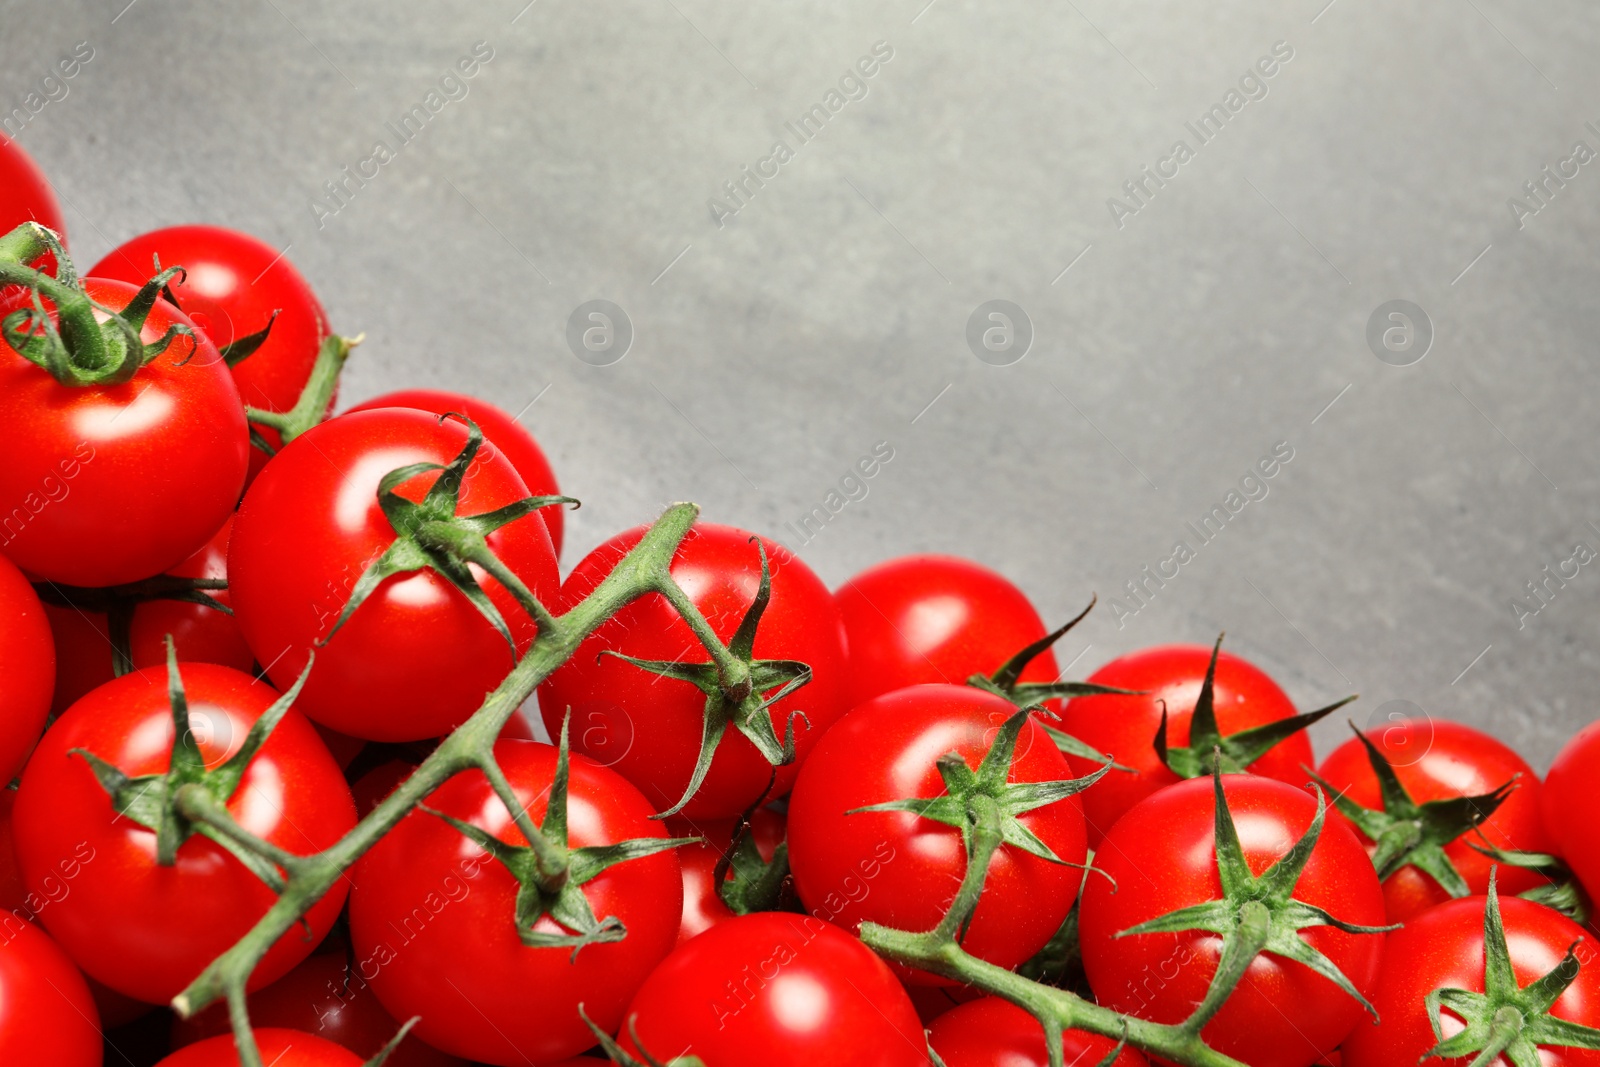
(267, 671)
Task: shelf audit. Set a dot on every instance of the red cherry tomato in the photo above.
(500, 431)
(320, 997)
(649, 728)
(1125, 726)
(27, 665)
(46, 1013)
(1161, 857)
(1435, 759)
(165, 454)
(996, 1033)
(374, 787)
(279, 1048)
(703, 906)
(142, 929)
(1571, 806)
(416, 659)
(1443, 948)
(231, 285)
(201, 634)
(922, 619)
(28, 197)
(778, 989)
(901, 870)
(459, 962)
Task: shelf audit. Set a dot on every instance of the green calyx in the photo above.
(1004, 683)
(74, 346)
(117, 604)
(739, 689)
(314, 399)
(745, 882)
(986, 808)
(191, 798)
(1505, 1020)
(1210, 750)
(550, 875)
(1561, 890)
(431, 536)
(1257, 914)
(1408, 834)
(617, 1054)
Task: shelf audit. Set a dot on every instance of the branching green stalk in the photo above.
(645, 569)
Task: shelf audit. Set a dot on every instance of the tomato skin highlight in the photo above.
(416, 659)
(144, 930)
(321, 997)
(1434, 760)
(996, 1033)
(165, 453)
(466, 963)
(46, 1012)
(231, 285)
(899, 869)
(780, 989)
(1125, 726)
(648, 728)
(27, 667)
(1571, 807)
(1443, 949)
(1162, 856)
(280, 1048)
(500, 431)
(929, 619)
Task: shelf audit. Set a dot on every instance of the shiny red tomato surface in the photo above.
(1126, 726)
(924, 619)
(165, 454)
(501, 431)
(416, 659)
(143, 929)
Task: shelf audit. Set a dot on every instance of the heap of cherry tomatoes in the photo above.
(232, 624)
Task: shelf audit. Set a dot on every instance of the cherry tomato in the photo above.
(1571, 806)
(1436, 759)
(143, 929)
(28, 197)
(27, 664)
(201, 633)
(1443, 948)
(279, 1048)
(500, 431)
(432, 916)
(321, 997)
(703, 906)
(921, 619)
(231, 285)
(996, 1033)
(46, 1013)
(1126, 726)
(778, 989)
(416, 659)
(649, 728)
(165, 454)
(901, 870)
(1161, 856)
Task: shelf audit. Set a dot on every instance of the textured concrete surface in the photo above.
(1199, 325)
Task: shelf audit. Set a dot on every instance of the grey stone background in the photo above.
(771, 352)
